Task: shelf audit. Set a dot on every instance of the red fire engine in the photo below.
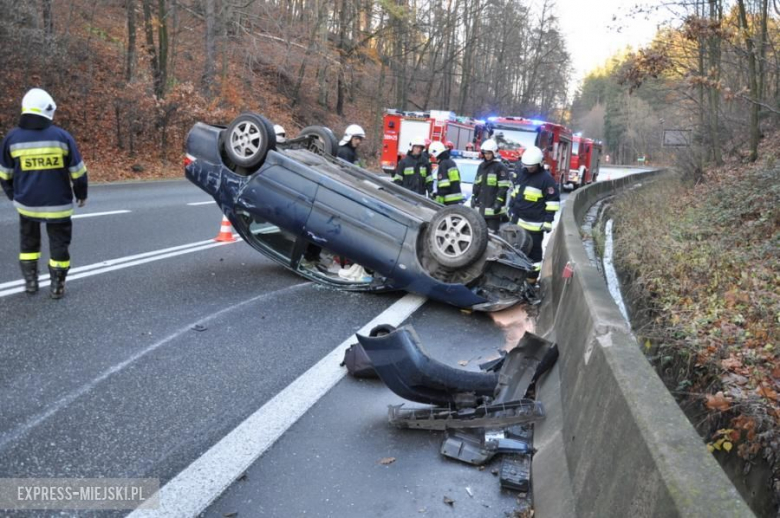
(401, 127)
(585, 161)
(515, 134)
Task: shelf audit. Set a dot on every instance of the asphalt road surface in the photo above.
(177, 358)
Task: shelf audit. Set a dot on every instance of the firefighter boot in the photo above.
(58, 281)
(30, 274)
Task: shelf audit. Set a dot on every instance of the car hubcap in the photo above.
(453, 236)
(245, 139)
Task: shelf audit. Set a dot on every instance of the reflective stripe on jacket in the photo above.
(490, 189)
(535, 200)
(38, 164)
(448, 181)
(414, 173)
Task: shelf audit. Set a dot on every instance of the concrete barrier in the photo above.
(615, 443)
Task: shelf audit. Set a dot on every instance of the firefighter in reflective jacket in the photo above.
(491, 186)
(414, 170)
(447, 175)
(535, 200)
(38, 164)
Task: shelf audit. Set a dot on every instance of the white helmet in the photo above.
(417, 141)
(489, 145)
(437, 148)
(280, 133)
(532, 156)
(353, 130)
(39, 102)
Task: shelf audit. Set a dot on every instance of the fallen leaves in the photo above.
(718, 402)
(449, 501)
(386, 461)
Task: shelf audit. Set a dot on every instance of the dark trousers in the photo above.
(536, 253)
(493, 223)
(59, 238)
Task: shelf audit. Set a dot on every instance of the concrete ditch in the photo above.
(615, 443)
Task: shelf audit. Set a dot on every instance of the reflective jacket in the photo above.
(490, 189)
(448, 181)
(414, 173)
(535, 200)
(38, 164)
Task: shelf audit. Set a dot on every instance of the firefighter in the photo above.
(447, 176)
(449, 145)
(426, 155)
(281, 135)
(414, 170)
(534, 202)
(38, 164)
(491, 186)
(353, 137)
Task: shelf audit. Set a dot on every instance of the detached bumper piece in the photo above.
(499, 415)
(406, 369)
(483, 414)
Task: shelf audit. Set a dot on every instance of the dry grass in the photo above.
(703, 268)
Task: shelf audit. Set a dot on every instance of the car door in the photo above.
(275, 205)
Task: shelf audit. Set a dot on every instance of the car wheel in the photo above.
(247, 140)
(516, 236)
(324, 141)
(457, 236)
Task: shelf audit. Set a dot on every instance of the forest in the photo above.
(131, 76)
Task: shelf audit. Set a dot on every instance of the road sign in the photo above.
(677, 137)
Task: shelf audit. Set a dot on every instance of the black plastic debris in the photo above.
(407, 370)
(477, 447)
(358, 363)
(515, 473)
(484, 416)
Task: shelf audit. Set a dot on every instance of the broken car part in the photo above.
(486, 416)
(407, 370)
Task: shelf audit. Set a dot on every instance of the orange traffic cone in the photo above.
(225, 232)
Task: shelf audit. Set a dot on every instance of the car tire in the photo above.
(516, 236)
(457, 236)
(247, 140)
(324, 143)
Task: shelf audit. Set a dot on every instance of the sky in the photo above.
(592, 35)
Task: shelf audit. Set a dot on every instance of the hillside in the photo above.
(129, 97)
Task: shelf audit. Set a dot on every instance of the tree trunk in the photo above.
(48, 20)
(752, 82)
(210, 66)
(150, 47)
(714, 93)
(162, 40)
(131, 55)
(340, 90)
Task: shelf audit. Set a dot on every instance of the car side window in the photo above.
(271, 237)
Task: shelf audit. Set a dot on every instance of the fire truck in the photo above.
(401, 127)
(585, 161)
(514, 134)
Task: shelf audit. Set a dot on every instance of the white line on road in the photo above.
(17, 286)
(37, 419)
(201, 203)
(192, 490)
(93, 214)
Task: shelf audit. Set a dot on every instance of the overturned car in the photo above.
(321, 217)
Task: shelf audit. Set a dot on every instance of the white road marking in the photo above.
(212, 202)
(37, 419)
(93, 214)
(13, 287)
(192, 490)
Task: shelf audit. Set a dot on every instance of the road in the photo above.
(168, 346)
